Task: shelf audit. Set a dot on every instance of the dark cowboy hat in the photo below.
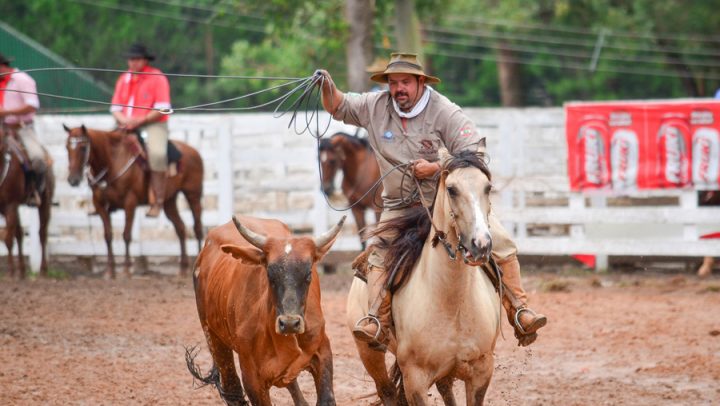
(403, 63)
(5, 60)
(138, 50)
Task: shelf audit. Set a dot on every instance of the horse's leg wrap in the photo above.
(374, 328)
(524, 320)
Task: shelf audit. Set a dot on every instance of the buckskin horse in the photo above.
(13, 192)
(446, 311)
(119, 181)
(354, 157)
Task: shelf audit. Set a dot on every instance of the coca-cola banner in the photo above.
(643, 145)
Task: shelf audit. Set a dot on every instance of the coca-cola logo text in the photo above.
(704, 167)
(620, 118)
(701, 117)
(623, 165)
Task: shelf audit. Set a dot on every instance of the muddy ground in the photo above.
(612, 339)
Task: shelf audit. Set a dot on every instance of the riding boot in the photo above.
(31, 182)
(40, 183)
(375, 327)
(524, 320)
(157, 184)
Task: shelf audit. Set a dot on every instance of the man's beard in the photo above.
(404, 105)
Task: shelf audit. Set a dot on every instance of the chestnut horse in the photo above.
(13, 192)
(354, 157)
(446, 311)
(119, 181)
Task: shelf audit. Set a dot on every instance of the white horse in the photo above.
(447, 312)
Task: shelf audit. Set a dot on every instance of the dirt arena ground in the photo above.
(612, 339)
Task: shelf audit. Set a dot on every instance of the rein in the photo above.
(7, 157)
(440, 236)
(94, 181)
(10, 147)
(494, 272)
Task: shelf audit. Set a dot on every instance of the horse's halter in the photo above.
(440, 235)
(84, 140)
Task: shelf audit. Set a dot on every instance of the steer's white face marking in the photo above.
(323, 156)
(288, 248)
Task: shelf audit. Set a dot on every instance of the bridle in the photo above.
(97, 180)
(441, 237)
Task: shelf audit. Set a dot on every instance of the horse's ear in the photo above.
(444, 156)
(67, 129)
(84, 130)
(482, 145)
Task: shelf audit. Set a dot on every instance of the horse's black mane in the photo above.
(409, 232)
(325, 143)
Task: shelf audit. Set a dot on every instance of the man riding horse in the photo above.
(410, 122)
(136, 101)
(18, 104)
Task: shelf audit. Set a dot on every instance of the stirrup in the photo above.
(372, 319)
(34, 200)
(519, 326)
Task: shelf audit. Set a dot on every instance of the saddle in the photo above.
(15, 147)
(361, 267)
(136, 143)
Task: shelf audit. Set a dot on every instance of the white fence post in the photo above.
(33, 249)
(226, 186)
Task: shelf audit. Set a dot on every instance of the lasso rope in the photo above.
(305, 95)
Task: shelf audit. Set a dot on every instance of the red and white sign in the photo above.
(643, 145)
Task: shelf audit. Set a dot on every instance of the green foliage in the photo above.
(552, 40)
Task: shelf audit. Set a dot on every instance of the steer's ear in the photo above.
(250, 255)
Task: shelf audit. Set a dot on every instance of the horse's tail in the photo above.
(397, 379)
(212, 378)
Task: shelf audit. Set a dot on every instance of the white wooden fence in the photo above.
(255, 165)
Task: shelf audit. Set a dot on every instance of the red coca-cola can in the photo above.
(706, 158)
(592, 152)
(673, 140)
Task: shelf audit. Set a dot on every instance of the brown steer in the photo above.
(258, 294)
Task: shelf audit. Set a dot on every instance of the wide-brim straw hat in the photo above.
(403, 63)
(378, 65)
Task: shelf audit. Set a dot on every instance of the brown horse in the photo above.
(119, 181)
(13, 192)
(354, 157)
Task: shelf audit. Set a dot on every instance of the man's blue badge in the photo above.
(388, 135)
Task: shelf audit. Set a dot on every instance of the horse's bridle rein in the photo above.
(441, 237)
(97, 180)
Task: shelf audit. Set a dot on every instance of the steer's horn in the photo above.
(322, 240)
(251, 236)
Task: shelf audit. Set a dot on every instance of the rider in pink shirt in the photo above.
(18, 104)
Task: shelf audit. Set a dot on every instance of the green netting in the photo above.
(28, 54)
